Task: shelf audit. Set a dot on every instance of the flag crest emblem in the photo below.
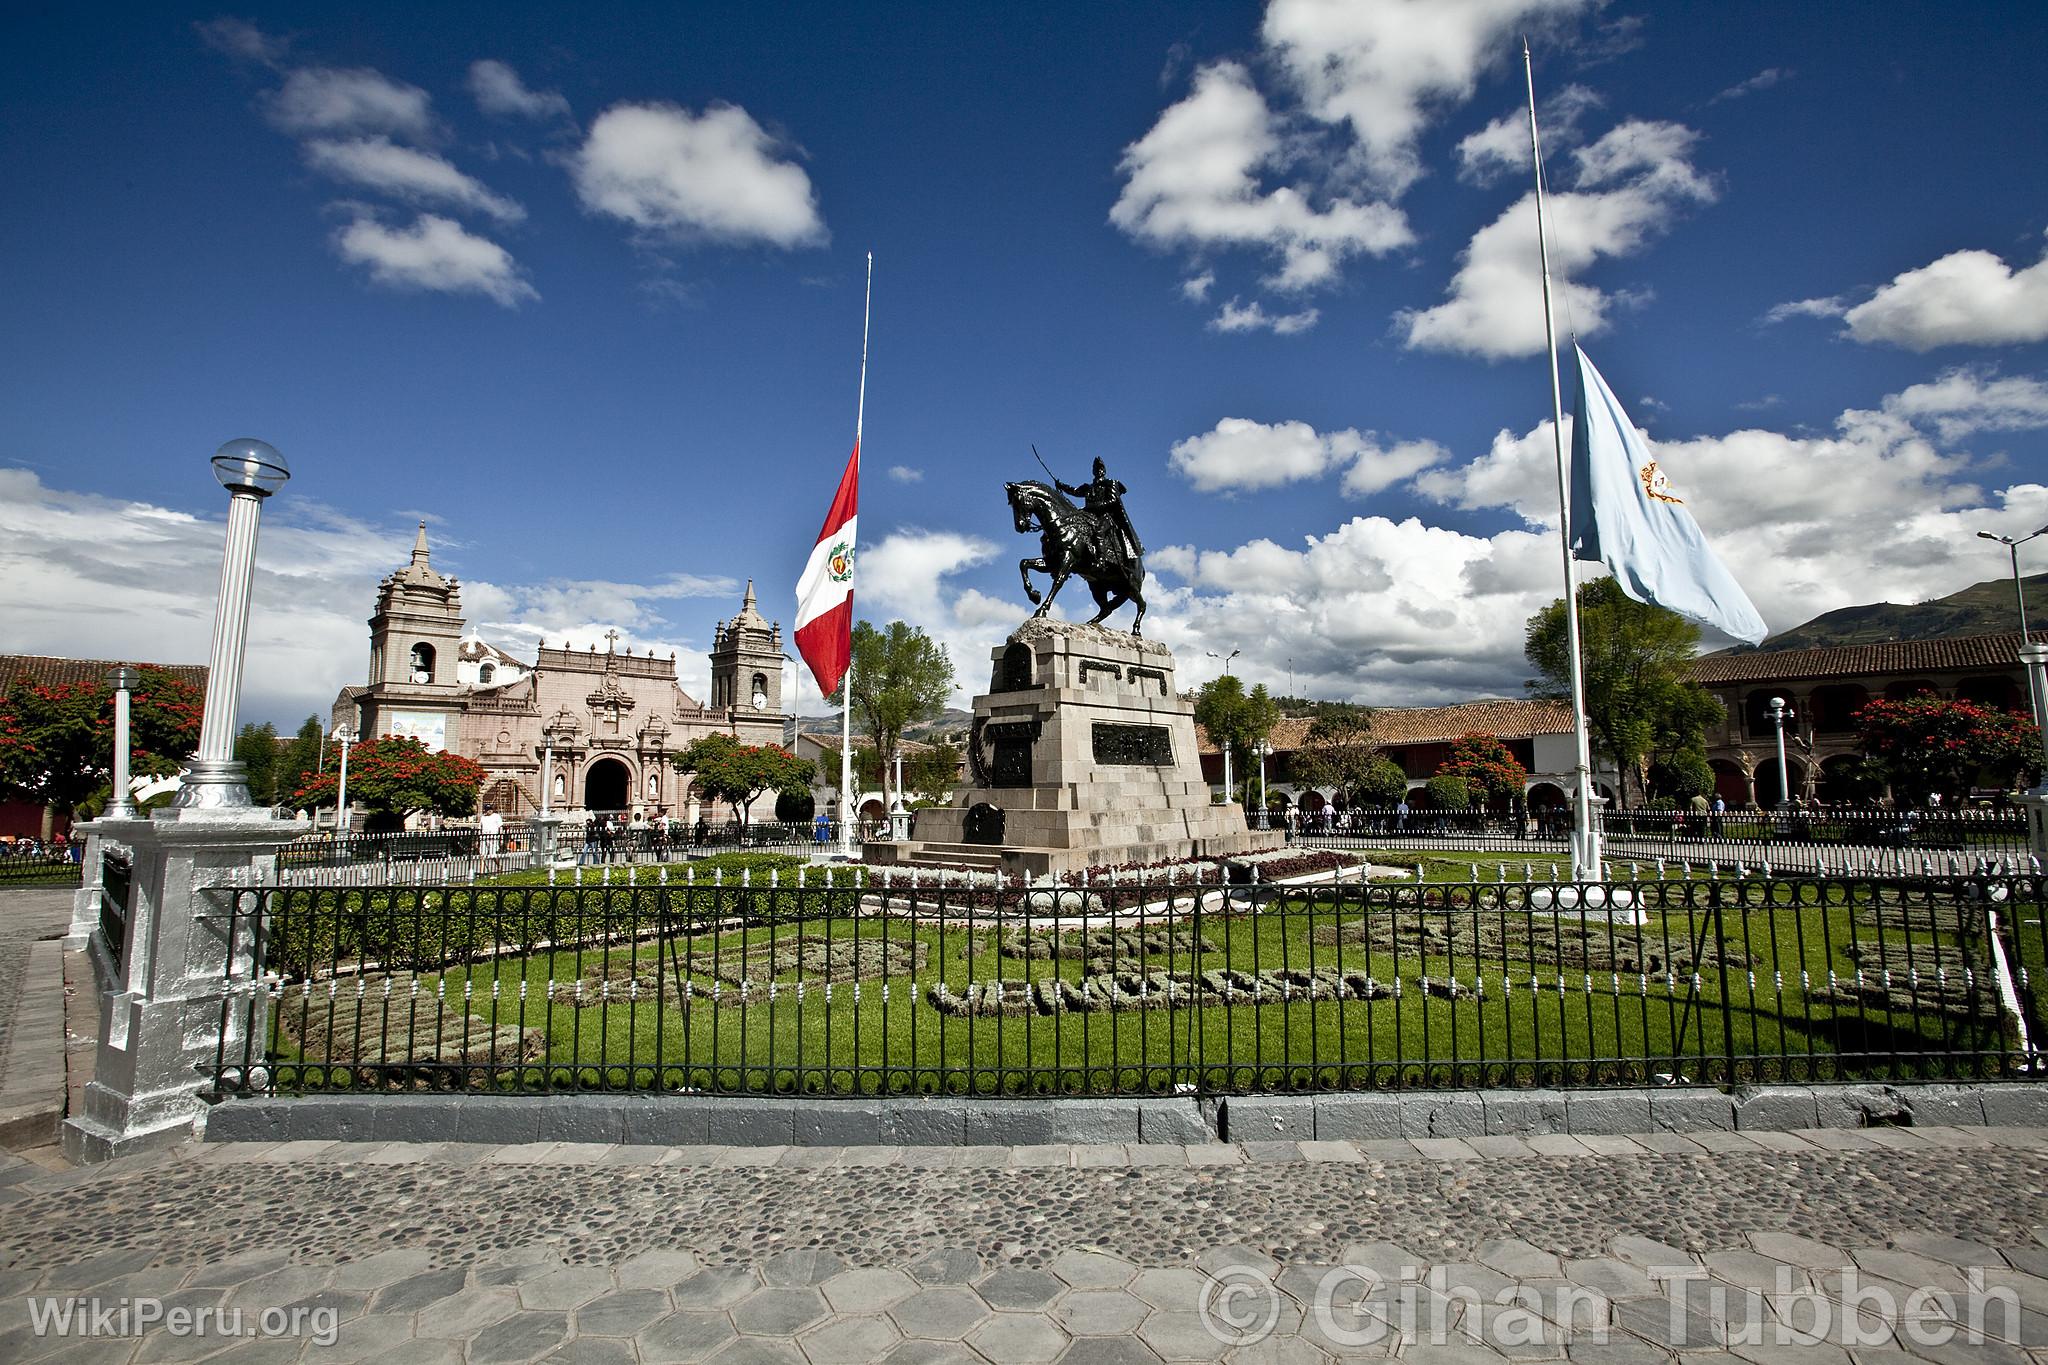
(840, 565)
(1657, 484)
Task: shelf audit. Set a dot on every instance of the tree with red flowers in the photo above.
(393, 778)
(1490, 771)
(738, 774)
(1927, 744)
(57, 739)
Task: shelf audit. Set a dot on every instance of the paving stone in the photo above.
(797, 1269)
(1177, 1289)
(718, 1286)
(460, 1316)
(1018, 1339)
(1799, 1251)
(758, 1351)
(1018, 1287)
(931, 1353)
(411, 1295)
(1904, 1267)
(1109, 1351)
(421, 1353)
(385, 1268)
(621, 1313)
(1444, 1148)
(849, 1340)
(1042, 1154)
(1517, 1259)
(655, 1269)
(581, 1350)
(1214, 1154)
(1754, 1270)
(1955, 1251)
(521, 1337)
(1240, 1258)
(867, 1291)
(1330, 1150)
(778, 1312)
(1655, 1321)
(945, 1313)
(565, 1289)
(686, 1336)
(946, 1265)
(1183, 1336)
(79, 1276)
(1803, 1353)
(1099, 1312)
(1649, 1253)
(1618, 1349)
(279, 1287)
(1092, 1269)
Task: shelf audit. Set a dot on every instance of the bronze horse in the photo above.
(1073, 540)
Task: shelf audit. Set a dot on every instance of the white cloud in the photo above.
(1502, 146)
(901, 575)
(715, 176)
(1251, 317)
(1806, 308)
(1762, 80)
(435, 254)
(1243, 455)
(497, 89)
(325, 100)
(1631, 183)
(903, 473)
(241, 40)
(380, 164)
(1194, 181)
(1963, 401)
(1385, 67)
(1967, 298)
(1195, 288)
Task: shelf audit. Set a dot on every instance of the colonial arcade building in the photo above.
(604, 722)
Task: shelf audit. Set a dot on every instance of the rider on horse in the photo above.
(1104, 496)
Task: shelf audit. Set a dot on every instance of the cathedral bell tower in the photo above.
(415, 640)
(746, 663)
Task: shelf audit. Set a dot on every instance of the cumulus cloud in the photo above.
(1251, 317)
(241, 40)
(1502, 146)
(1243, 455)
(1967, 298)
(1195, 288)
(498, 91)
(903, 473)
(1964, 401)
(1806, 308)
(903, 574)
(1195, 180)
(716, 176)
(1762, 80)
(380, 164)
(1630, 185)
(435, 254)
(1385, 67)
(325, 100)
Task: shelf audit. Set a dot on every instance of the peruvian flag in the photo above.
(824, 595)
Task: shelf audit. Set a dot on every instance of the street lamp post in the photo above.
(1263, 748)
(120, 805)
(344, 736)
(1229, 787)
(2035, 698)
(1780, 713)
(213, 781)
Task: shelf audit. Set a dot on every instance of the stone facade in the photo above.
(606, 722)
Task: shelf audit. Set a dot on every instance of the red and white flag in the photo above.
(824, 595)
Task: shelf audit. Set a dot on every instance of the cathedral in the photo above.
(594, 728)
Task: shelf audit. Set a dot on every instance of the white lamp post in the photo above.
(1229, 787)
(344, 736)
(2035, 698)
(1780, 713)
(121, 806)
(1263, 748)
(251, 471)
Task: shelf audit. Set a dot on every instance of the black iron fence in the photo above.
(835, 981)
(53, 867)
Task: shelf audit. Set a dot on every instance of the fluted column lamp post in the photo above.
(121, 805)
(251, 471)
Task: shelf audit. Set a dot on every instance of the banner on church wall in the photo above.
(428, 727)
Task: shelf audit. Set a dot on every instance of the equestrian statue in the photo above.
(1094, 540)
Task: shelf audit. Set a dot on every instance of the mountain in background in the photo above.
(1981, 609)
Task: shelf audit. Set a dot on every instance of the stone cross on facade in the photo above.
(611, 640)
(610, 700)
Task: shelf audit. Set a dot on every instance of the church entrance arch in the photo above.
(606, 785)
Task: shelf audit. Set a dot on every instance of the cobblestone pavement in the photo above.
(1719, 1248)
(25, 916)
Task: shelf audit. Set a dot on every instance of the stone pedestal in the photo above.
(1082, 753)
(164, 952)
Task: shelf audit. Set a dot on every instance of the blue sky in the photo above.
(582, 288)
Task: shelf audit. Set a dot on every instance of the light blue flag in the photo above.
(1627, 514)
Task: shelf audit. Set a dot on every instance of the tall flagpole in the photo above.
(847, 813)
(1585, 825)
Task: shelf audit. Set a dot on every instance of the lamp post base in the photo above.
(218, 790)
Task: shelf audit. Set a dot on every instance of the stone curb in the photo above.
(32, 1099)
(744, 1121)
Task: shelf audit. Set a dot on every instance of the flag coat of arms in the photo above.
(824, 595)
(1629, 515)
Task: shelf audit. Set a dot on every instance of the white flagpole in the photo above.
(1585, 823)
(847, 813)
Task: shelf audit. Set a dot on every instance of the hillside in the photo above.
(1981, 609)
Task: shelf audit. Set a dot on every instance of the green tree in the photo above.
(299, 759)
(1450, 792)
(900, 677)
(1491, 773)
(1927, 745)
(1641, 702)
(1337, 752)
(256, 750)
(1236, 718)
(57, 740)
(1384, 784)
(932, 771)
(738, 774)
(1682, 776)
(392, 778)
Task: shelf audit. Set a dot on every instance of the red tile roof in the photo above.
(51, 671)
(1436, 724)
(1955, 654)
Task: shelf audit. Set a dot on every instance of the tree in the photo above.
(1640, 702)
(1491, 773)
(392, 778)
(1338, 752)
(1233, 717)
(57, 740)
(900, 677)
(1682, 776)
(738, 774)
(1450, 792)
(932, 771)
(300, 758)
(1929, 745)
(1384, 783)
(256, 751)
